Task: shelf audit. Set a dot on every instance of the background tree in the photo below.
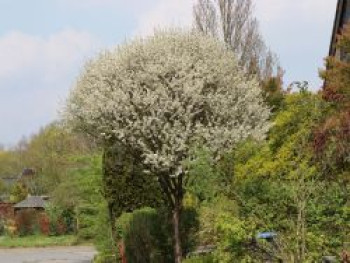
(233, 22)
(273, 91)
(50, 153)
(9, 163)
(292, 193)
(18, 193)
(161, 95)
(272, 185)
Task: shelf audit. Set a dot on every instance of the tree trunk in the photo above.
(113, 230)
(177, 238)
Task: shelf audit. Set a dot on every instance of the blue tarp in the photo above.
(266, 235)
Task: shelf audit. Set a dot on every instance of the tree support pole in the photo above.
(177, 238)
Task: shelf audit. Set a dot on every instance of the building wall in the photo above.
(344, 14)
(347, 12)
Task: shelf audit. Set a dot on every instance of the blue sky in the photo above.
(44, 44)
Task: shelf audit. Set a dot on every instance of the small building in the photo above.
(342, 17)
(37, 203)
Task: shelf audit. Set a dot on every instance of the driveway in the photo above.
(78, 254)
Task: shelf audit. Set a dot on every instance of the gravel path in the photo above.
(78, 254)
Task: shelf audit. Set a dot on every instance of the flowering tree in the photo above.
(161, 95)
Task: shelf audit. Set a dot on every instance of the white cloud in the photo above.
(165, 13)
(51, 57)
(35, 76)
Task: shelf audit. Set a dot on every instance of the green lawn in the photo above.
(37, 241)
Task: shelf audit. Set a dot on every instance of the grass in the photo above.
(37, 241)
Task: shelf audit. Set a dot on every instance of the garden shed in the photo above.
(32, 202)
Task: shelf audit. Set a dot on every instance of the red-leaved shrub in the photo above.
(61, 227)
(26, 221)
(44, 224)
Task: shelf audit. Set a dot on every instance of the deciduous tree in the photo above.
(161, 95)
(233, 22)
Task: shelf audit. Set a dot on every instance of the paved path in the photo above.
(78, 254)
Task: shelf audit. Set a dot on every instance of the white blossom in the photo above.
(164, 93)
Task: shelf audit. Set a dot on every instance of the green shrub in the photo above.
(103, 239)
(2, 227)
(61, 220)
(87, 218)
(102, 257)
(145, 236)
(200, 259)
(147, 233)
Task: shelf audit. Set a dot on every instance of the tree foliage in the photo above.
(145, 236)
(18, 193)
(126, 186)
(276, 185)
(273, 91)
(162, 94)
(50, 154)
(9, 163)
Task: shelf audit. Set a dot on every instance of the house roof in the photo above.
(339, 21)
(32, 202)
